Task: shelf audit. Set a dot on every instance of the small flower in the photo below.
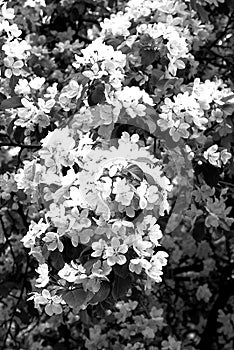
(36, 83)
(7, 13)
(98, 248)
(52, 241)
(43, 280)
(136, 265)
(114, 254)
(53, 303)
(212, 155)
(73, 273)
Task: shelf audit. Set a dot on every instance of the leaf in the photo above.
(114, 42)
(199, 230)
(120, 287)
(19, 134)
(2, 97)
(75, 297)
(6, 288)
(193, 4)
(97, 95)
(164, 135)
(150, 179)
(148, 57)
(12, 102)
(121, 270)
(210, 174)
(13, 82)
(202, 13)
(227, 108)
(135, 171)
(84, 317)
(102, 294)
(227, 98)
(70, 252)
(56, 259)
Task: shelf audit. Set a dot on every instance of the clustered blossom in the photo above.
(215, 157)
(102, 60)
(99, 193)
(193, 110)
(94, 206)
(116, 25)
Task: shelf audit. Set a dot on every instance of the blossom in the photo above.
(36, 83)
(22, 87)
(43, 279)
(7, 13)
(98, 248)
(134, 100)
(52, 241)
(12, 67)
(73, 273)
(122, 191)
(136, 265)
(52, 302)
(212, 155)
(157, 262)
(59, 137)
(100, 269)
(16, 48)
(36, 230)
(117, 25)
(203, 293)
(115, 253)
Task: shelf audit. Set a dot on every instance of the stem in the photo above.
(14, 144)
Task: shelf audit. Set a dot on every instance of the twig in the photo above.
(14, 144)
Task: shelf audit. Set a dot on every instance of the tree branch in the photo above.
(14, 144)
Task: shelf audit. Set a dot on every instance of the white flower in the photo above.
(73, 273)
(35, 231)
(52, 302)
(115, 253)
(116, 25)
(22, 87)
(16, 48)
(36, 83)
(225, 156)
(43, 280)
(7, 13)
(53, 241)
(123, 191)
(59, 137)
(212, 155)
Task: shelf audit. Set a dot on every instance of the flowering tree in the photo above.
(116, 175)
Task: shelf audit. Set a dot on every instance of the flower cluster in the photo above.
(98, 207)
(194, 109)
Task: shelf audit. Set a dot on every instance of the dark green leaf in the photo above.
(2, 97)
(19, 134)
(120, 287)
(148, 57)
(193, 4)
(121, 270)
(199, 230)
(228, 108)
(135, 171)
(202, 13)
(210, 174)
(75, 297)
(102, 294)
(12, 102)
(97, 95)
(56, 259)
